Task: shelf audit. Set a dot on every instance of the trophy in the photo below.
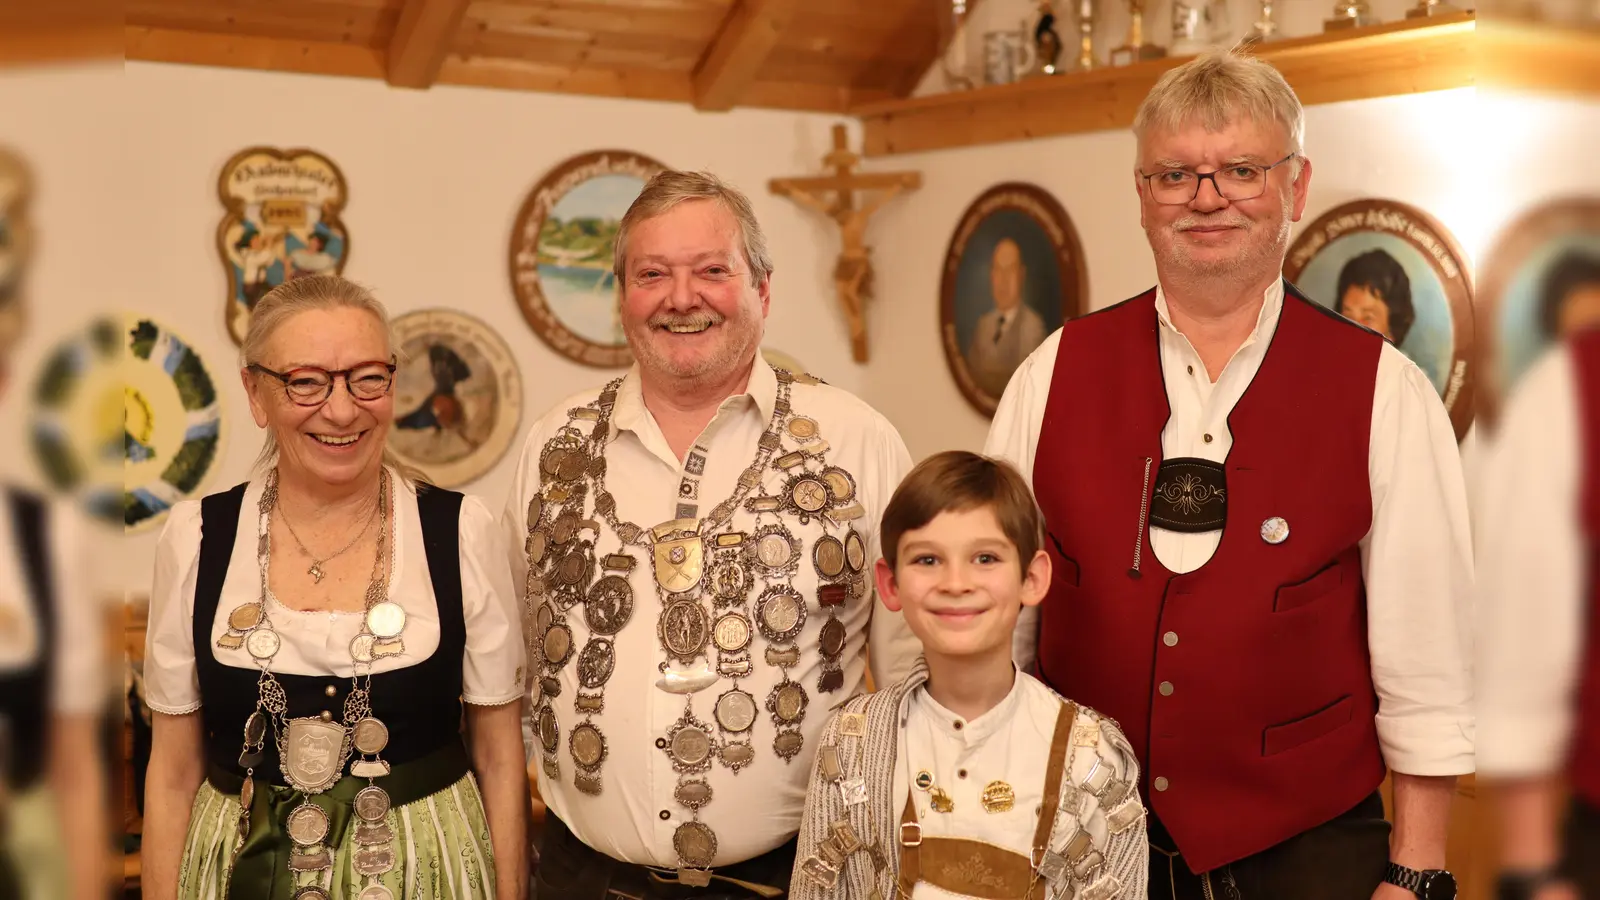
(1085, 35)
(1426, 8)
(1349, 15)
(1264, 28)
(1046, 42)
(1007, 55)
(1197, 25)
(954, 61)
(1136, 50)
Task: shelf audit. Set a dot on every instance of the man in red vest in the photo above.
(1256, 511)
(1539, 617)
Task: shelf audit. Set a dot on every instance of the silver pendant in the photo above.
(314, 754)
(686, 681)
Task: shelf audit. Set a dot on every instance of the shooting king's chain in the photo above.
(704, 574)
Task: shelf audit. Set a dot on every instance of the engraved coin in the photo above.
(695, 843)
(827, 554)
(588, 746)
(570, 570)
(730, 579)
(690, 746)
(371, 861)
(609, 605)
(310, 892)
(787, 701)
(538, 543)
(549, 731)
(361, 647)
(736, 711)
(557, 645)
(832, 639)
(732, 633)
(371, 736)
(545, 616)
(551, 463)
(809, 495)
(693, 793)
(386, 619)
(855, 551)
(683, 629)
(263, 643)
(308, 824)
(595, 663)
(840, 485)
(802, 428)
(535, 509)
(372, 803)
(255, 728)
(573, 466)
(773, 547)
(245, 616)
(375, 891)
(566, 525)
(737, 756)
(780, 614)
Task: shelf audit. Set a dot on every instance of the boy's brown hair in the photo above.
(956, 481)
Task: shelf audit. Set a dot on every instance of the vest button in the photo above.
(327, 716)
(1170, 639)
(1161, 784)
(1166, 689)
(331, 691)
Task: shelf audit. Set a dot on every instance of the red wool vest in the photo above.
(1585, 760)
(1269, 728)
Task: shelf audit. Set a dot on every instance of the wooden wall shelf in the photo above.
(1542, 58)
(1404, 57)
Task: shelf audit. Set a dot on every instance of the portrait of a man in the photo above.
(1009, 331)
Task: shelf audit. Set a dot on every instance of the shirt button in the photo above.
(1191, 370)
(666, 814)
(956, 725)
(661, 743)
(1208, 438)
(1166, 689)
(331, 691)
(1170, 639)
(1161, 784)
(961, 773)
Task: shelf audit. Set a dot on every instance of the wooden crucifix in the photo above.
(852, 274)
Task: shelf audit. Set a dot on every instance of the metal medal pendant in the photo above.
(573, 466)
(732, 632)
(998, 797)
(386, 619)
(576, 567)
(679, 563)
(307, 824)
(832, 677)
(371, 736)
(245, 616)
(684, 629)
(693, 793)
(247, 793)
(536, 545)
(368, 835)
(369, 768)
(841, 487)
(609, 605)
(311, 892)
(361, 647)
(372, 803)
(855, 551)
(787, 744)
(780, 614)
(557, 645)
(549, 729)
(696, 844)
(808, 494)
(802, 428)
(230, 641)
(832, 639)
(787, 703)
(737, 754)
(550, 460)
(263, 643)
(565, 527)
(373, 861)
(596, 663)
(588, 747)
(774, 548)
(313, 860)
(735, 711)
(314, 754)
(686, 681)
(535, 510)
(730, 578)
(688, 743)
(375, 891)
(827, 554)
(255, 729)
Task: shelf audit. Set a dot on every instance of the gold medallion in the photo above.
(998, 797)
(247, 793)
(314, 754)
(684, 629)
(386, 619)
(941, 801)
(679, 564)
(732, 633)
(788, 702)
(802, 428)
(808, 495)
(230, 641)
(827, 554)
(308, 824)
(841, 486)
(245, 616)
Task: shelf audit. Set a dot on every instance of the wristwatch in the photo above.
(1523, 884)
(1428, 884)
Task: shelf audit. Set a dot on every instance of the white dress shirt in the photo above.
(318, 643)
(1532, 566)
(1416, 559)
(758, 808)
(76, 681)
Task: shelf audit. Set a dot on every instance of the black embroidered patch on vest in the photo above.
(1191, 496)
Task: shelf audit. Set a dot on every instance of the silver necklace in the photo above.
(315, 571)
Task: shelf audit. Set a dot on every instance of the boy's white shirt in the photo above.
(1009, 743)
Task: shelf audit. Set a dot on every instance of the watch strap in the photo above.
(1405, 877)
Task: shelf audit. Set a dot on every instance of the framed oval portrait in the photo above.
(1541, 282)
(1394, 269)
(1013, 273)
(561, 254)
(457, 396)
(281, 222)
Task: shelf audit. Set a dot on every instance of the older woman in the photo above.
(313, 635)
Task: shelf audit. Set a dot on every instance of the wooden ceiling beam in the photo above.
(422, 38)
(734, 58)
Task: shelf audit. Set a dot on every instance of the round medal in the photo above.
(570, 571)
(774, 549)
(549, 729)
(550, 464)
(371, 736)
(372, 803)
(802, 428)
(538, 543)
(595, 663)
(535, 509)
(695, 843)
(855, 551)
(788, 702)
(361, 647)
(808, 495)
(1275, 530)
(573, 466)
(244, 616)
(780, 614)
(732, 633)
(255, 728)
(263, 643)
(375, 891)
(841, 487)
(736, 711)
(683, 629)
(690, 746)
(565, 527)
(588, 746)
(308, 824)
(310, 892)
(544, 617)
(557, 645)
(827, 554)
(609, 605)
(386, 619)
(832, 639)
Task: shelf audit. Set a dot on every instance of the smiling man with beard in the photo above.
(695, 540)
(1258, 524)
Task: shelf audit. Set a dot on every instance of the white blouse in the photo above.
(79, 634)
(318, 643)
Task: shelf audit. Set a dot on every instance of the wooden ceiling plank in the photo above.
(422, 40)
(289, 19)
(584, 18)
(634, 52)
(246, 52)
(735, 56)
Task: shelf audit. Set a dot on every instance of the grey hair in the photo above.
(303, 294)
(670, 188)
(1218, 87)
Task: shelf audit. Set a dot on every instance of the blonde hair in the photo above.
(1218, 87)
(670, 188)
(303, 294)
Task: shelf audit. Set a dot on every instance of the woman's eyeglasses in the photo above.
(312, 386)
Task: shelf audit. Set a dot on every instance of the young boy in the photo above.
(969, 778)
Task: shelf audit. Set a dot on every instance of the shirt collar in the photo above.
(1266, 320)
(971, 731)
(629, 413)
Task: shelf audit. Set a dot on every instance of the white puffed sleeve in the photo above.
(172, 685)
(492, 671)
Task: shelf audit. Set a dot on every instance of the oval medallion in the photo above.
(736, 711)
(245, 616)
(609, 605)
(372, 803)
(373, 861)
(247, 793)
(693, 793)
(595, 663)
(308, 824)
(263, 643)
(780, 614)
(538, 543)
(690, 746)
(732, 633)
(588, 746)
(386, 619)
(827, 554)
(549, 730)
(255, 728)
(361, 647)
(310, 892)
(832, 640)
(809, 495)
(737, 756)
(544, 617)
(840, 485)
(683, 629)
(557, 645)
(802, 428)
(855, 551)
(571, 568)
(551, 463)
(696, 844)
(565, 527)
(788, 743)
(788, 702)
(371, 736)
(375, 891)
(535, 510)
